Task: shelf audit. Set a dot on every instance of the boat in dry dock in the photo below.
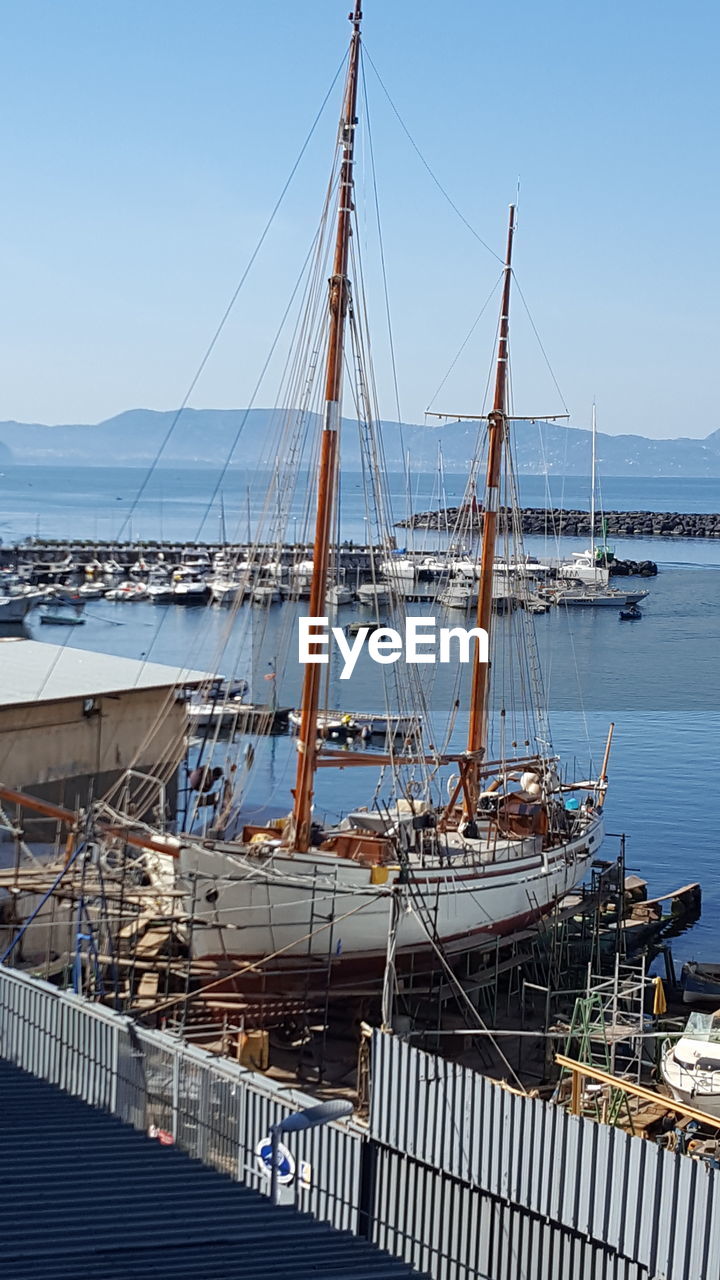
(450, 844)
(493, 856)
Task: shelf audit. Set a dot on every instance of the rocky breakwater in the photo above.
(576, 524)
(624, 524)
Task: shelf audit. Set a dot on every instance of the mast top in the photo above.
(356, 16)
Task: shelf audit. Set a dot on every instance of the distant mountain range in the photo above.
(205, 437)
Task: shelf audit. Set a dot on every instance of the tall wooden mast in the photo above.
(339, 290)
(497, 427)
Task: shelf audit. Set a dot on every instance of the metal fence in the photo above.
(458, 1176)
(215, 1110)
(485, 1150)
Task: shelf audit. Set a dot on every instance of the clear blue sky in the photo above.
(144, 143)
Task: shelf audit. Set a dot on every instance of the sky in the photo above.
(145, 143)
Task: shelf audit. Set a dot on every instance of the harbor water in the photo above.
(657, 679)
(184, 502)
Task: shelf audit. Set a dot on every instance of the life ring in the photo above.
(452, 783)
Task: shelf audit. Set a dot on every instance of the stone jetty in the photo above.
(576, 524)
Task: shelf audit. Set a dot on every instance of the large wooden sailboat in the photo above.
(495, 856)
(471, 842)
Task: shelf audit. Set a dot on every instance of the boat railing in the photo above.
(432, 850)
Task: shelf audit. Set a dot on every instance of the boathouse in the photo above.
(73, 722)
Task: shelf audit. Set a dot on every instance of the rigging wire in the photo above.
(467, 338)
(226, 314)
(293, 419)
(556, 525)
(213, 342)
(431, 172)
(546, 358)
(383, 266)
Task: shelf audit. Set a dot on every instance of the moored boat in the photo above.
(700, 983)
(690, 1067)
(57, 616)
(339, 594)
(458, 595)
(191, 591)
(265, 593)
(225, 590)
(598, 598)
(373, 593)
(15, 608)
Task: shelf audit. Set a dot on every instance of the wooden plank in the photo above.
(666, 897)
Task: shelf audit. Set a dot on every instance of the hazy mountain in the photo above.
(206, 436)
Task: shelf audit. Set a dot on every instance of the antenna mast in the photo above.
(339, 293)
(497, 428)
(593, 481)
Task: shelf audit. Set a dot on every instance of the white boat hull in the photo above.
(191, 593)
(600, 600)
(338, 595)
(226, 592)
(374, 593)
(295, 910)
(265, 595)
(459, 599)
(696, 1086)
(353, 722)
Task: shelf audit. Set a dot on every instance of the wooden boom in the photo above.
(69, 819)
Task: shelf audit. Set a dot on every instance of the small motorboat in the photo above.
(128, 591)
(379, 725)
(458, 595)
(161, 592)
(599, 598)
(631, 614)
(225, 590)
(223, 707)
(700, 983)
(690, 1067)
(330, 724)
(353, 628)
(338, 594)
(190, 591)
(536, 604)
(55, 616)
(371, 593)
(92, 590)
(265, 593)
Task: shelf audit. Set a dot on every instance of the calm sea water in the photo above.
(658, 679)
(180, 503)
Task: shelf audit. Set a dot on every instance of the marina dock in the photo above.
(48, 562)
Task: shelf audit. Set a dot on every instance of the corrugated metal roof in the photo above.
(31, 671)
(82, 1194)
